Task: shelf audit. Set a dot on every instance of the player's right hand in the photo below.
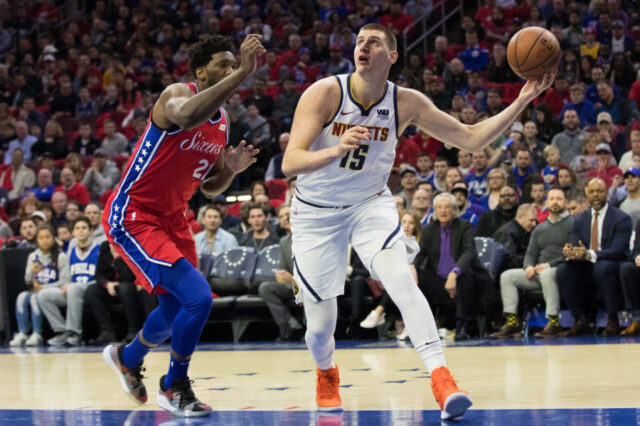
(249, 50)
(351, 139)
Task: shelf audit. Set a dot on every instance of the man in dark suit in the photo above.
(447, 254)
(630, 280)
(491, 220)
(514, 236)
(598, 243)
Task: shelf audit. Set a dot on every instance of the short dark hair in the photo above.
(258, 206)
(441, 159)
(575, 194)
(81, 219)
(28, 219)
(201, 52)
(211, 207)
(392, 43)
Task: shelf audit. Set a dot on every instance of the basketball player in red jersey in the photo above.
(183, 147)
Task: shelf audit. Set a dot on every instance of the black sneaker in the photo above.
(130, 378)
(180, 400)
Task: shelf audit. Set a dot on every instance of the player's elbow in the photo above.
(287, 166)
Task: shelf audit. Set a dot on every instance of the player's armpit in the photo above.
(166, 111)
(316, 107)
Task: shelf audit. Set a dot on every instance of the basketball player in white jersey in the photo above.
(342, 148)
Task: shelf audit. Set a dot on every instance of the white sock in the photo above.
(390, 265)
(321, 324)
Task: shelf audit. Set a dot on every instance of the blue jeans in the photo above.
(25, 301)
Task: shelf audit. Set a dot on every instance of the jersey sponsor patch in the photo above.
(222, 127)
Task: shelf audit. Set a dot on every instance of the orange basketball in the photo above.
(532, 52)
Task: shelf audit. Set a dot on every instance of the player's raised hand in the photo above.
(240, 157)
(533, 88)
(250, 49)
(351, 139)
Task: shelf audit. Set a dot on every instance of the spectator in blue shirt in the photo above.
(466, 210)
(475, 94)
(23, 141)
(44, 189)
(585, 109)
(473, 57)
(614, 105)
(214, 239)
(598, 75)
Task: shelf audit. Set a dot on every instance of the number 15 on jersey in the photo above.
(359, 155)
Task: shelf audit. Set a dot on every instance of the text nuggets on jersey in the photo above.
(377, 133)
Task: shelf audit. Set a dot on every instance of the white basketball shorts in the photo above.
(321, 236)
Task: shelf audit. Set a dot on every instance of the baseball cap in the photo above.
(459, 186)
(408, 169)
(438, 79)
(335, 47)
(50, 48)
(220, 199)
(603, 147)
(49, 58)
(617, 23)
(99, 151)
(590, 31)
(303, 50)
(604, 116)
(43, 216)
(632, 171)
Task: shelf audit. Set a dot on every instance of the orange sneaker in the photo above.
(328, 389)
(453, 401)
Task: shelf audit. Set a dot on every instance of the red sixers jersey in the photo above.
(167, 167)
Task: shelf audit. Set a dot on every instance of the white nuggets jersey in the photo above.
(363, 172)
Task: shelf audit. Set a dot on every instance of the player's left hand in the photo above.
(240, 157)
(533, 88)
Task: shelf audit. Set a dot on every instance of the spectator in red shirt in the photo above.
(605, 170)
(484, 15)
(291, 57)
(74, 190)
(397, 20)
(558, 96)
(406, 152)
(440, 46)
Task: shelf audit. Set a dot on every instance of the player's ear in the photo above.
(393, 56)
(201, 74)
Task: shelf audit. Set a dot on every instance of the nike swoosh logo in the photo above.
(347, 113)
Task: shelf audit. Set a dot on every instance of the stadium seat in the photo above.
(206, 264)
(277, 188)
(490, 254)
(120, 160)
(233, 271)
(266, 266)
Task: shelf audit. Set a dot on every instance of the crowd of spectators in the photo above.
(75, 101)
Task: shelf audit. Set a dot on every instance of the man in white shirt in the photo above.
(23, 141)
(213, 239)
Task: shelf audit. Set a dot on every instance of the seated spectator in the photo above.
(21, 176)
(424, 167)
(477, 178)
(52, 142)
(72, 189)
(438, 180)
(445, 262)
(111, 99)
(28, 205)
(604, 170)
(611, 135)
(622, 73)
(588, 160)
(590, 46)
(409, 183)
(242, 228)
(453, 175)
(629, 279)
(457, 79)
(618, 107)
(73, 211)
(114, 142)
(466, 210)
(420, 205)
(273, 72)
(277, 295)
(140, 125)
(47, 267)
(574, 34)
(337, 64)
(549, 173)
(228, 220)
(115, 283)
(438, 95)
(597, 75)
(28, 229)
(498, 69)
(491, 220)
(489, 200)
(102, 175)
(286, 102)
(74, 162)
(464, 162)
(514, 236)
(59, 202)
(494, 102)
(474, 57)
(570, 141)
(523, 172)
(259, 236)
(263, 102)
(542, 257)
(93, 211)
(81, 270)
(533, 144)
(64, 103)
(86, 106)
(475, 94)
(567, 178)
(626, 161)
(538, 195)
(576, 202)
(559, 95)
(213, 239)
(85, 143)
(606, 232)
(396, 19)
(548, 125)
(259, 131)
(23, 140)
(584, 107)
(63, 232)
(631, 204)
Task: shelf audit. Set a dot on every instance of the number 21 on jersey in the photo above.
(359, 155)
(202, 170)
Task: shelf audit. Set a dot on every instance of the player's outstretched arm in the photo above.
(424, 114)
(178, 105)
(316, 106)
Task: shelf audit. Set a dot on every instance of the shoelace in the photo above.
(183, 387)
(446, 383)
(136, 373)
(325, 385)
